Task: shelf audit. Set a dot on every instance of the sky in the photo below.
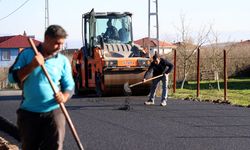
(230, 19)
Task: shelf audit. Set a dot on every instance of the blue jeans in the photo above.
(164, 81)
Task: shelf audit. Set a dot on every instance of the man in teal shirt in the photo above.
(39, 118)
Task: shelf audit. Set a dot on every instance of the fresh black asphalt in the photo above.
(182, 125)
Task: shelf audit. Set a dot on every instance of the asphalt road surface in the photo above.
(182, 125)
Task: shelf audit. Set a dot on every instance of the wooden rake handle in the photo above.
(132, 85)
(62, 106)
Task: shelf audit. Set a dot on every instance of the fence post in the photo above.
(225, 75)
(175, 66)
(198, 72)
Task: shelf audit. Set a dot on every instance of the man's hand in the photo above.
(61, 97)
(143, 80)
(38, 60)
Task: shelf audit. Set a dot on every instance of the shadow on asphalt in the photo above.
(9, 128)
(118, 107)
(213, 137)
(93, 106)
(10, 98)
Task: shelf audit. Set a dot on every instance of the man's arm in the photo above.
(23, 66)
(168, 68)
(148, 72)
(116, 35)
(67, 84)
(24, 72)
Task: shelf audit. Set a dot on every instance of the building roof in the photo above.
(246, 42)
(16, 41)
(153, 43)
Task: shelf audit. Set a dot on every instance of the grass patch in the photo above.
(238, 92)
(239, 97)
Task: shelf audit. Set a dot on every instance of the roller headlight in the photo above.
(111, 63)
(144, 63)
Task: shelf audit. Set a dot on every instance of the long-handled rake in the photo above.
(127, 87)
(62, 106)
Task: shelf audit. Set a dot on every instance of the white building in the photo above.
(164, 47)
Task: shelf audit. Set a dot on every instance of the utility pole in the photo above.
(155, 14)
(46, 14)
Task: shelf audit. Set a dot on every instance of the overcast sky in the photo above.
(229, 18)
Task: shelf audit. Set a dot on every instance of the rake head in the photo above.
(127, 90)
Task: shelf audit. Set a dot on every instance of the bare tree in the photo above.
(188, 46)
(216, 56)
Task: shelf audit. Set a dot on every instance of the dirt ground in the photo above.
(5, 145)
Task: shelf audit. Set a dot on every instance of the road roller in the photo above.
(109, 58)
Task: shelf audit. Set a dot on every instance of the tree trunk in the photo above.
(184, 80)
(216, 75)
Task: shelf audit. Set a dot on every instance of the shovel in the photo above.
(127, 87)
(62, 106)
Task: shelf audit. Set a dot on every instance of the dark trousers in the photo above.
(41, 131)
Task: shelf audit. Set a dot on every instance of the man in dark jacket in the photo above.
(111, 31)
(158, 66)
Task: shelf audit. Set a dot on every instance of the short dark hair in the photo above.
(156, 55)
(55, 31)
